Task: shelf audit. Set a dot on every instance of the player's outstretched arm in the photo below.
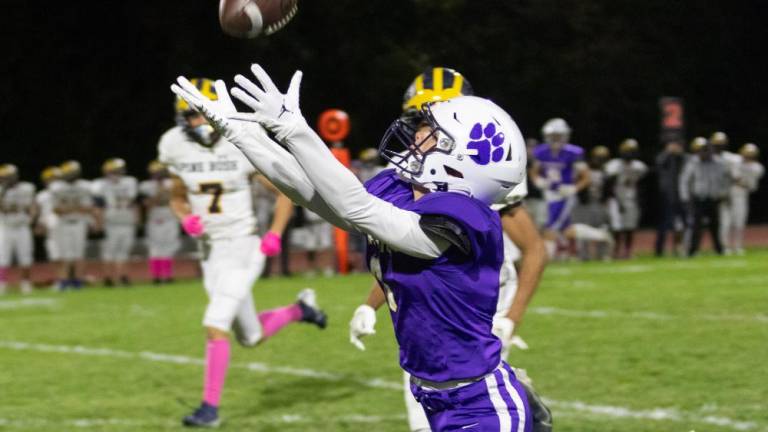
(268, 157)
(345, 195)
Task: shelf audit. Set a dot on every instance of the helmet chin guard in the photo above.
(473, 147)
(204, 134)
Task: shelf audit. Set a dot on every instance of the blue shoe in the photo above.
(207, 416)
(310, 312)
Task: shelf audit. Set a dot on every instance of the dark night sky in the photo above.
(89, 80)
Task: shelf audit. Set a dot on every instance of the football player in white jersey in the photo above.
(747, 180)
(161, 226)
(522, 242)
(73, 205)
(212, 197)
(623, 174)
(17, 211)
(47, 218)
(719, 141)
(115, 194)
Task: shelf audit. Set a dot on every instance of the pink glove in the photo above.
(192, 225)
(270, 244)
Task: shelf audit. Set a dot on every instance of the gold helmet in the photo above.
(698, 144)
(435, 84)
(70, 169)
(600, 152)
(8, 172)
(719, 139)
(156, 167)
(50, 174)
(750, 151)
(113, 166)
(205, 86)
(628, 146)
(369, 154)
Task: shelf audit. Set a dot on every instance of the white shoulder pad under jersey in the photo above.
(217, 181)
(44, 201)
(516, 195)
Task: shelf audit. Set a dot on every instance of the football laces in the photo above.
(283, 21)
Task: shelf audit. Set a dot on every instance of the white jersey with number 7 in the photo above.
(217, 180)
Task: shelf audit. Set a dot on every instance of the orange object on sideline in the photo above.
(333, 125)
(341, 237)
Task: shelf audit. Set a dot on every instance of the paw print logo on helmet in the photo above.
(487, 142)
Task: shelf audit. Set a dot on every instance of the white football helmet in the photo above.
(556, 130)
(478, 149)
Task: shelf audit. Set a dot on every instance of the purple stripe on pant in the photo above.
(559, 214)
(485, 405)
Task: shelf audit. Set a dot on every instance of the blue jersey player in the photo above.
(434, 244)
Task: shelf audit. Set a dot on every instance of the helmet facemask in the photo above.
(400, 148)
(202, 133)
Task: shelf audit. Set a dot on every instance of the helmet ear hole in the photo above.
(453, 172)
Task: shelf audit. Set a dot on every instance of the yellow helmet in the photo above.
(156, 167)
(698, 144)
(719, 139)
(70, 169)
(369, 154)
(629, 145)
(50, 174)
(205, 86)
(435, 84)
(600, 152)
(749, 151)
(8, 171)
(113, 166)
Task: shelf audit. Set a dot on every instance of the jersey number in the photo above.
(214, 189)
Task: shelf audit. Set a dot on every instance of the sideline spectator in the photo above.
(669, 166)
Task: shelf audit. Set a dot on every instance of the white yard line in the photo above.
(564, 407)
(645, 268)
(546, 310)
(28, 303)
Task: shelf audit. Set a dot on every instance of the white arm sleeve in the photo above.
(282, 169)
(346, 196)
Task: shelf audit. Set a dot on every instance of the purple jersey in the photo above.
(558, 169)
(442, 309)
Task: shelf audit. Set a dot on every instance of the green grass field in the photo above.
(646, 345)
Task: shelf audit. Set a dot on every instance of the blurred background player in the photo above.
(47, 218)
(624, 173)
(534, 201)
(669, 165)
(73, 206)
(211, 196)
(560, 171)
(704, 184)
(522, 242)
(315, 237)
(591, 209)
(115, 195)
(17, 211)
(161, 227)
(747, 180)
(719, 143)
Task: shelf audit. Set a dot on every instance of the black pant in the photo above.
(672, 211)
(708, 209)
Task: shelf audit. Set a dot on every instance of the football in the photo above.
(251, 18)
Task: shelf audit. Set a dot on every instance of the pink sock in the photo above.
(216, 364)
(275, 319)
(154, 267)
(168, 268)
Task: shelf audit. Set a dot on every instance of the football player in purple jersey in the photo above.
(434, 244)
(560, 171)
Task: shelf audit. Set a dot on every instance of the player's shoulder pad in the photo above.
(169, 144)
(576, 151)
(383, 180)
(28, 187)
(471, 221)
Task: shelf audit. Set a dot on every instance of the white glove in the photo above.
(278, 112)
(567, 190)
(503, 328)
(362, 324)
(218, 112)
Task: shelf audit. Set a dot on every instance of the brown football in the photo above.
(250, 18)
